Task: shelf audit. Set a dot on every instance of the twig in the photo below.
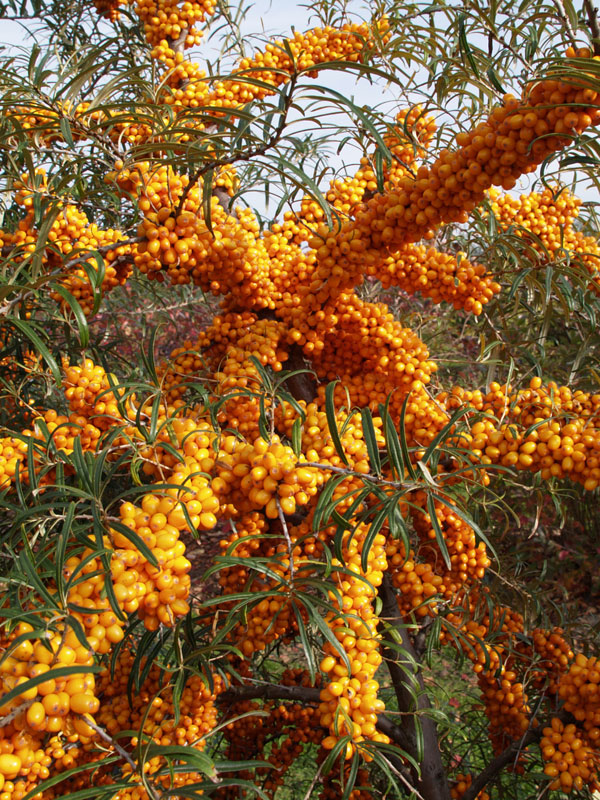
(345, 471)
(501, 761)
(258, 151)
(287, 536)
(123, 753)
(6, 720)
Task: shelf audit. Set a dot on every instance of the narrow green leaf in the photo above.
(135, 540)
(439, 535)
(332, 421)
(371, 440)
(27, 330)
(297, 437)
(464, 45)
(52, 674)
(403, 443)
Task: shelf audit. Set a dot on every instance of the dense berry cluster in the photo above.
(545, 220)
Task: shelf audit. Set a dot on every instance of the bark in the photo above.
(301, 694)
(430, 780)
(302, 386)
(508, 756)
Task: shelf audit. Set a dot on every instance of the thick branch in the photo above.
(409, 687)
(270, 691)
(564, 17)
(178, 45)
(301, 386)
(301, 694)
(592, 15)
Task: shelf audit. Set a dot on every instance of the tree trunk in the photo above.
(430, 781)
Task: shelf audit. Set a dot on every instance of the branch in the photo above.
(270, 691)
(508, 756)
(178, 45)
(288, 540)
(123, 753)
(566, 21)
(592, 15)
(301, 386)
(257, 151)
(430, 781)
(302, 694)
(8, 718)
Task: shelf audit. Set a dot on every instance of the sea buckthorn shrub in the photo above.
(245, 552)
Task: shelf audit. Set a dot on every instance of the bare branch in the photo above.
(564, 17)
(123, 753)
(288, 539)
(270, 691)
(301, 694)
(592, 15)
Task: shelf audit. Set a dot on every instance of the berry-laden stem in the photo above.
(409, 688)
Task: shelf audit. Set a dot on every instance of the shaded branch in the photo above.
(302, 694)
(270, 691)
(505, 758)
(301, 386)
(592, 15)
(430, 781)
(509, 756)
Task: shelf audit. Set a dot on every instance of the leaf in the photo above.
(297, 437)
(439, 535)
(59, 777)
(306, 646)
(468, 520)
(371, 440)
(374, 528)
(148, 355)
(532, 42)
(188, 755)
(493, 79)
(464, 45)
(332, 421)
(136, 541)
(52, 674)
(444, 433)
(324, 506)
(80, 318)
(403, 443)
(27, 330)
